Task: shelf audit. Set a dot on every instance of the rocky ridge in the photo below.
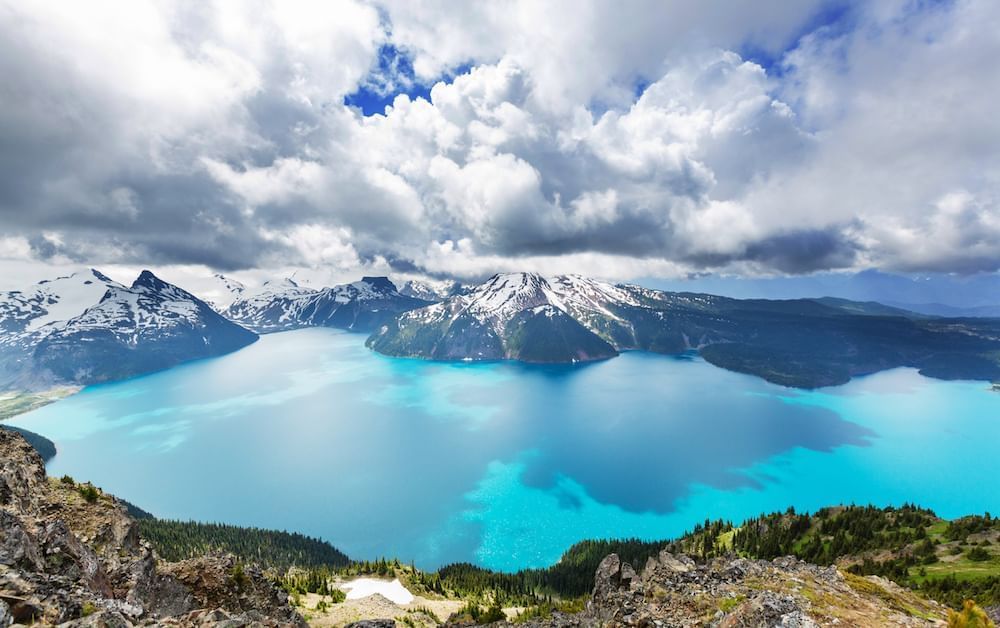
(71, 555)
(674, 591)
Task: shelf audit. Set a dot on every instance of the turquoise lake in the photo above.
(506, 465)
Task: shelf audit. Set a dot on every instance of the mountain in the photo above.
(222, 291)
(148, 326)
(25, 312)
(800, 342)
(360, 306)
(510, 316)
(428, 290)
(275, 306)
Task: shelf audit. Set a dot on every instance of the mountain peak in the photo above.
(99, 275)
(148, 279)
(516, 276)
(380, 283)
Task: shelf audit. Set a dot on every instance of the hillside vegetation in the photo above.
(180, 540)
(948, 561)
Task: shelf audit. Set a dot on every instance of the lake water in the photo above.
(506, 465)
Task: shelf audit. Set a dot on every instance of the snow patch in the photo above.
(363, 587)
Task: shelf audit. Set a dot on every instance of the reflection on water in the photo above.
(505, 464)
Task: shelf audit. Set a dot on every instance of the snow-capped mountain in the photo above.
(26, 312)
(428, 290)
(147, 326)
(275, 306)
(362, 305)
(511, 315)
(221, 292)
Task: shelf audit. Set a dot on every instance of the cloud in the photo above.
(652, 138)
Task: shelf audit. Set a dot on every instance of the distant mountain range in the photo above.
(87, 328)
(801, 342)
(941, 294)
(360, 306)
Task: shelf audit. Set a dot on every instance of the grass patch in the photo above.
(725, 540)
(728, 604)
(864, 585)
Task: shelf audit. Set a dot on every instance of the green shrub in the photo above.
(89, 493)
(478, 614)
(239, 576)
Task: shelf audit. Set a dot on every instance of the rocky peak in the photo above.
(381, 284)
(147, 279)
(100, 276)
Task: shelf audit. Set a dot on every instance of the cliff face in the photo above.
(70, 554)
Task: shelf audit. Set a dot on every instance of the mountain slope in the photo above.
(511, 316)
(49, 302)
(360, 306)
(222, 292)
(148, 326)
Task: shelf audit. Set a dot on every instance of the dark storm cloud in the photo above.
(804, 251)
(42, 247)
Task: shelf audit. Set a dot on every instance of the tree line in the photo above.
(179, 540)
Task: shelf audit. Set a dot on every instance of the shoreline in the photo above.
(17, 402)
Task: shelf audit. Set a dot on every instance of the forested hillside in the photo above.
(178, 540)
(949, 561)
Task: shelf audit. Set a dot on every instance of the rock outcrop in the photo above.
(673, 590)
(72, 555)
